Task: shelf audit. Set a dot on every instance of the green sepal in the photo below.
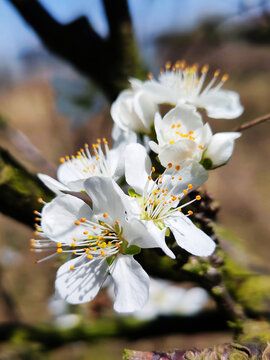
(110, 259)
(168, 232)
(132, 250)
(207, 163)
(132, 193)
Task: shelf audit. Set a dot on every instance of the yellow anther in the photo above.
(67, 157)
(168, 65)
(172, 177)
(180, 178)
(100, 238)
(150, 76)
(102, 253)
(105, 215)
(71, 267)
(62, 160)
(178, 125)
(153, 169)
(59, 245)
(216, 73)
(59, 250)
(116, 221)
(205, 68)
(77, 223)
(118, 245)
(97, 158)
(177, 167)
(73, 252)
(98, 141)
(74, 239)
(94, 227)
(73, 245)
(191, 138)
(201, 147)
(190, 186)
(94, 249)
(83, 220)
(172, 141)
(180, 209)
(102, 223)
(89, 237)
(160, 176)
(35, 212)
(190, 212)
(169, 165)
(40, 200)
(37, 219)
(173, 126)
(185, 192)
(90, 256)
(86, 145)
(198, 197)
(225, 77)
(85, 232)
(149, 177)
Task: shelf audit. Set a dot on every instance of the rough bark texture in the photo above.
(19, 190)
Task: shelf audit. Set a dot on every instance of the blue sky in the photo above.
(150, 17)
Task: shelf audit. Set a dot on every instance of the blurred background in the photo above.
(50, 107)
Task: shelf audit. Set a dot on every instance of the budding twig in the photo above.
(252, 123)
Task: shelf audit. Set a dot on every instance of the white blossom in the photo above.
(185, 84)
(158, 201)
(134, 109)
(181, 135)
(74, 170)
(99, 242)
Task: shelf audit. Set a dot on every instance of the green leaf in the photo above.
(133, 250)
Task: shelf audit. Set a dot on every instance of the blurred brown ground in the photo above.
(241, 187)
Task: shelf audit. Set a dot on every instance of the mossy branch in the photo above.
(232, 351)
(19, 190)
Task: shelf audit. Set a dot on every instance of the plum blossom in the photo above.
(185, 84)
(74, 170)
(181, 135)
(134, 109)
(158, 201)
(100, 241)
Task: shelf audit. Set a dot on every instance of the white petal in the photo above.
(107, 197)
(178, 152)
(71, 173)
(191, 172)
(186, 115)
(160, 93)
(137, 167)
(53, 184)
(158, 238)
(81, 284)
(59, 215)
(145, 108)
(131, 284)
(221, 104)
(189, 237)
(154, 147)
(221, 148)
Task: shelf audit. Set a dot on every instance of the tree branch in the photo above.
(109, 62)
(224, 351)
(252, 123)
(19, 190)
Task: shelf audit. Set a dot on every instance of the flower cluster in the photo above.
(97, 225)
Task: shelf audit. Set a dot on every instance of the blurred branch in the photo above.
(109, 62)
(252, 123)
(24, 146)
(124, 327)
(223, 351)
(19, 190)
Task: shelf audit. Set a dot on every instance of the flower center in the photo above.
(84, 164)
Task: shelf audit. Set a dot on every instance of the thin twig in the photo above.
(252, 123)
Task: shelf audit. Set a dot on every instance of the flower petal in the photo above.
(53, 184)
(221, 148)
(145, 108)
(81, 284)
(59, 215)
(221, 104)
(131, 284)
(189, 237)
(137, 167)
(107, 197)
(178, 152)
(71, 174)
